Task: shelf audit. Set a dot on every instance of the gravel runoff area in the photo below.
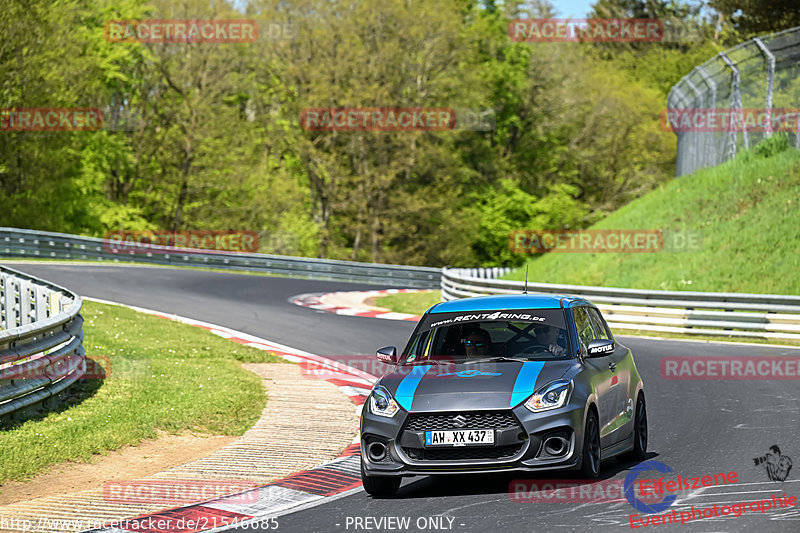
(283, 441)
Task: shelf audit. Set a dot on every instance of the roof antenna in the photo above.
(526, 280)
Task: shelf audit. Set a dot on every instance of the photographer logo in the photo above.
(777, 466)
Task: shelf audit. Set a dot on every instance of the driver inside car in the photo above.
(477, 343)
(547, 336)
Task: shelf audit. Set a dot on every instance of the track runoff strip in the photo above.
(330, 479)
(340, 303)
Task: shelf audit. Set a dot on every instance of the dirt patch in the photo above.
(130, 462)
(371, 303)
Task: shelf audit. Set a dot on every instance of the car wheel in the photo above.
(379, 486)
(590, 464)
(640, 429)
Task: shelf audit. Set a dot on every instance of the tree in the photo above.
(755, 17)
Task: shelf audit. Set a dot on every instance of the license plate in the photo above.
(460, 437)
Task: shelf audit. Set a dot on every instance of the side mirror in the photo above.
(600, 347)
(388, 355)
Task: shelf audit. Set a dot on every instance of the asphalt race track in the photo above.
(697, 428)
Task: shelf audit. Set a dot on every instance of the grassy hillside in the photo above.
(747, 209)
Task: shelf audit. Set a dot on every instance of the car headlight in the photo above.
(551, 396)
(381, 402)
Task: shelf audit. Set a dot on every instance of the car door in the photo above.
(620, 361)
(602, 375)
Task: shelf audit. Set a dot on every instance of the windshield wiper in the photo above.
(496, 358)
(426, 362)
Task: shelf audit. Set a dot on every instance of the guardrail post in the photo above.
(55, 304)
(736, 107)
(10, 307)
(5, 303)
(678, 100)
(709, 81)
(24, 302)
(700, 150)
(40, 303)
(770, 81)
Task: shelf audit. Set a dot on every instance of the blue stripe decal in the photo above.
(405, 390)
(526, 381)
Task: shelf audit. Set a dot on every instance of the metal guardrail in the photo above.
(30, 244)
(41, 340)
(697, 313)
(764, 316)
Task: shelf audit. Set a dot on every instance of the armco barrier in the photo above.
(41, 340)
(696, 313)
(29, 244)
(764, 316)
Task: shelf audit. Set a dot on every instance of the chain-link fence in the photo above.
(736, 99)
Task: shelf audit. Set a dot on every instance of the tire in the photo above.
(379, 486)
(640, 429)
(639, 451)
(590, 459)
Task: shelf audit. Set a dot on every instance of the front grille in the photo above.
(463, 453)
(471, 420)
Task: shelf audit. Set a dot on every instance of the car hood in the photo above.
(496, 385)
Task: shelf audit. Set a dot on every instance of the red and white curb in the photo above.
(351, 303)
(333, 478)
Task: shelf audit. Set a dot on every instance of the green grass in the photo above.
(748, 211)
(164, 376)
(415, 303)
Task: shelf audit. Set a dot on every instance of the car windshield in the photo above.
(469, 337)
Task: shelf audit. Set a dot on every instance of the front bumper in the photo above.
(519, 442)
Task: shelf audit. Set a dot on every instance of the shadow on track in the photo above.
(474, 484)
